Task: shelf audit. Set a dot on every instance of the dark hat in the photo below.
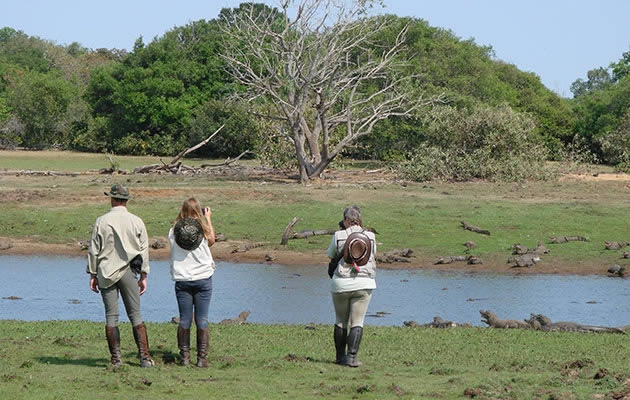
(119, 192)
(188, 233)
(357, 249)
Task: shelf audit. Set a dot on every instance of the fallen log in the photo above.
(475, 229)
(175, 166)
(227, 162)
(39, 173)
(289, 233)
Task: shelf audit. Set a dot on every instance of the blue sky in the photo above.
(559, 40)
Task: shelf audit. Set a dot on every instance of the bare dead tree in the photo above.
(309, 63)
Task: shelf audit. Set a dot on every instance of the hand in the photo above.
(94, 283)
(207, 212)
(142, 283)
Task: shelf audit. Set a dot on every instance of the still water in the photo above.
(56, 288)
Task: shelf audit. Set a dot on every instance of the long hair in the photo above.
(192, 209)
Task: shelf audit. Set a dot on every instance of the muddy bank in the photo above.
(225, 251)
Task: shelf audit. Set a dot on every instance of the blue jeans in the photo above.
(193, 294)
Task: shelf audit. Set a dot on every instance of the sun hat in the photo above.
(118, 192)
(188, 233)
(357, 249)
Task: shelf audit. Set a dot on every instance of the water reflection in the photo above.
(56, 288)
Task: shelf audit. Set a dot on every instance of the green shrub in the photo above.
(238, 135)
(485, 143)
(616, 144)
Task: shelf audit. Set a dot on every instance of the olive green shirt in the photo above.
(117, 237)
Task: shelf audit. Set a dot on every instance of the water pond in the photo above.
(56, 288)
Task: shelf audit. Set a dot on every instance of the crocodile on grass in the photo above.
(491, 319)
(543, 323)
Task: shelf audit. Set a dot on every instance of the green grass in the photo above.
(424, 217)
(66, 161)
(426, 220)
(69, 360)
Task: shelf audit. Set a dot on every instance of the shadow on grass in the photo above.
(86, 362)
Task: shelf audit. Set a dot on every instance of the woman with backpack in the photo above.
(353, 272)
(192, 267)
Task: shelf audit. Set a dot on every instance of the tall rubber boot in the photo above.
(203, 337)
(183, 342)
(340, 335)
(113, 342)
(142, 341)
(354, 340)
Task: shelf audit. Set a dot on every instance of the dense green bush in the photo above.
(239, 133)
(616, 144)
(486, 143)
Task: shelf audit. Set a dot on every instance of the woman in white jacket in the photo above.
(353, 271)
(192, 267)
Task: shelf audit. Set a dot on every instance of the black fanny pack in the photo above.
(136, 264)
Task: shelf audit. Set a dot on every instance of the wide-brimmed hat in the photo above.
(188, 233)
(357, 249)
(119, 192)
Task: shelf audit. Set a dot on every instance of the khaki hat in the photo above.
(119, 192)
(188, 233)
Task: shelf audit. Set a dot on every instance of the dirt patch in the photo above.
(22, 196)
(606, 177)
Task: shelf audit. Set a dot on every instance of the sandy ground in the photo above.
(225, 251)
(597, 177)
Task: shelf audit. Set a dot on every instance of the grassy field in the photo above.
(424, 217)
(69, 360)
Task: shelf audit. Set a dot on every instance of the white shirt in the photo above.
(187, 265)
(353, 283)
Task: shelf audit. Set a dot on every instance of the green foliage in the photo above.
(597, 79)
(238, 135)
(40, 101)
(27, 52)
(621, 68)
(486, 143)
(469, 76)
(603, 117)
(149, 99)
(616, 145)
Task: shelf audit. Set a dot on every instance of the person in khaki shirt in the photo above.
(118, 246)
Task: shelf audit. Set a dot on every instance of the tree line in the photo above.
(169, 94)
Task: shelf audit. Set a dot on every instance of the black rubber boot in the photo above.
(354, 340)
(113, 342)
(340, 335)
(183, 342)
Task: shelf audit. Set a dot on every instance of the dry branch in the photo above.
(175, 166)
(195, 147)
(227, 162)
